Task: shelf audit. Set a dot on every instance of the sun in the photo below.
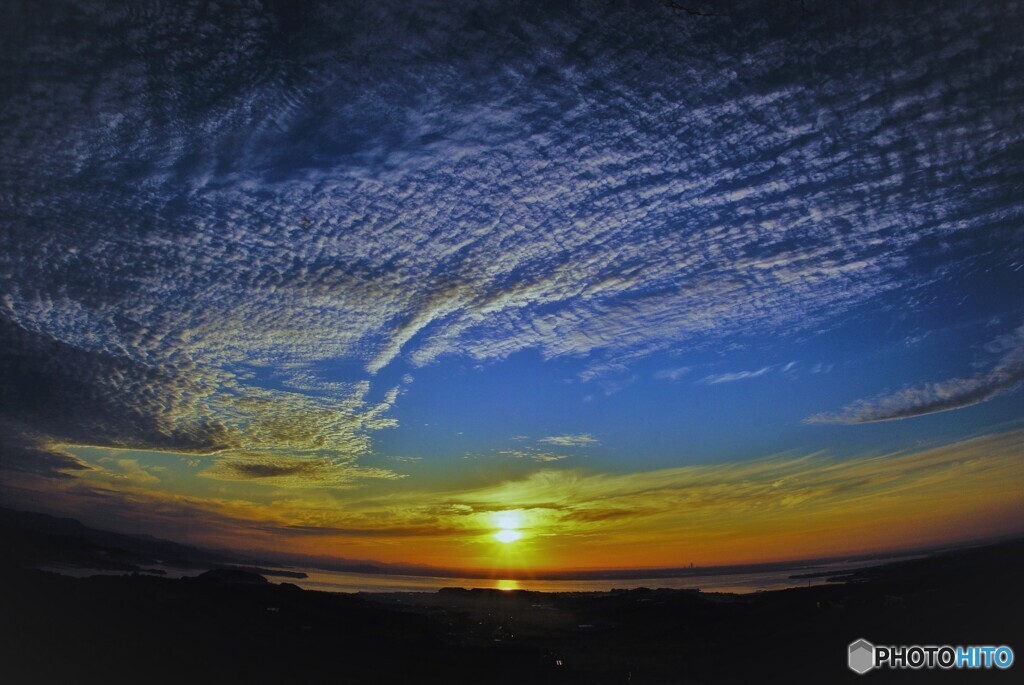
(507, 535)
(509, 524)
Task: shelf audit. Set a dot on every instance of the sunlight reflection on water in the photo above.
(339, 581)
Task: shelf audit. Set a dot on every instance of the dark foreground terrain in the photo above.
(235, 627)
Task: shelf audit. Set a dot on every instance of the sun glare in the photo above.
(508, 523)
(507, 535)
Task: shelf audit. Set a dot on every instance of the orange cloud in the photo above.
(776, 508)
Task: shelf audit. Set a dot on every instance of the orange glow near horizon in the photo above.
(773, 509)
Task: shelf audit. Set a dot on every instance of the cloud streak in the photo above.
(779, 507)
(932, 398)
(541, 456)
(734, 376)
(672, 374)
(581, 440)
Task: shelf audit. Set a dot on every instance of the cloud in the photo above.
(291, 471)
(130, 470)
(581, 440)
(768, 504)
(546, 457)
(770, 508)
(187, 252)
(734, 376)
(58, 393)
(931, 398)
(38, 459)
(541, 456)
(673, 374)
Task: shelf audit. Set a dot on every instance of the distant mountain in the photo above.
(34, 539)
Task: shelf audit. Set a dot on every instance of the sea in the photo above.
(700, 579)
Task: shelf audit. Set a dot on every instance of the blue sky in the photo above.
(323, 248)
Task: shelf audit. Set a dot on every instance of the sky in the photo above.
(638, 285)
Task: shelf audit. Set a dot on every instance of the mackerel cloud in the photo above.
(196, 196)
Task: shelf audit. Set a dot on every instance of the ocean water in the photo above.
(740, 583)
(340, 581)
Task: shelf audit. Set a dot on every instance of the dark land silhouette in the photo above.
(235, 626)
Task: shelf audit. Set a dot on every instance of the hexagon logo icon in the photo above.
(862, 656)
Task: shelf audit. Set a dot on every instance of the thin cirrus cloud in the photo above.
(539, 456)
(734, 376)
(769, 504)
(764, 509)
(672, 374)
(271, 206)
(957, 393)
(581, 440)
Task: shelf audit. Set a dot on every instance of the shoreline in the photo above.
(245, 629)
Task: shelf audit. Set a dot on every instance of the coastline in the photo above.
(236, 627)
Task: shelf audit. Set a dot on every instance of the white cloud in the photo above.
(540, 456)
(734, 376)
(581, 440)
(165, 256)
(1006, 376)
(673, 374)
